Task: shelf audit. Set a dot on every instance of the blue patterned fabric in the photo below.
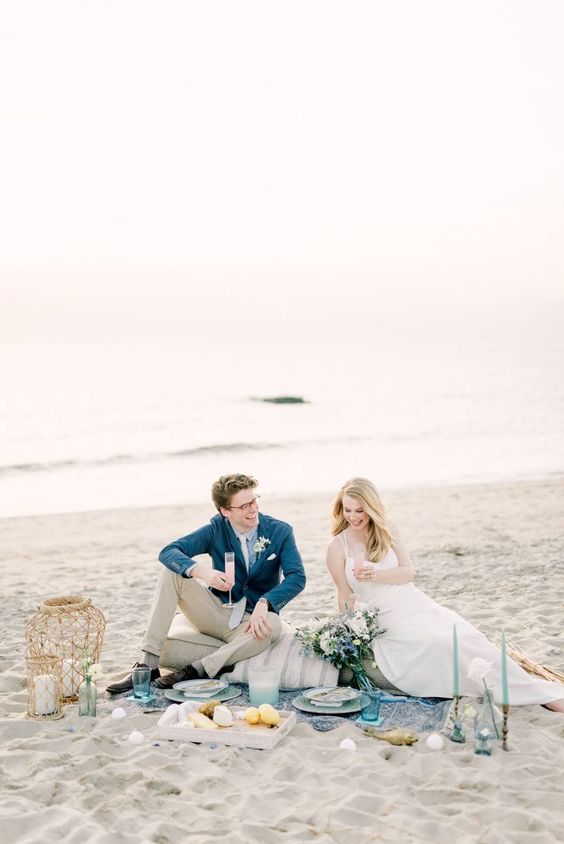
(421, 714)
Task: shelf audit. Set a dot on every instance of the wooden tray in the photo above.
(240, 734)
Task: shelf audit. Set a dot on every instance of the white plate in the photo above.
(200, 688)
(229, 693)
(331, 695)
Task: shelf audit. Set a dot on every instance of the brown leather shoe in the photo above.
(167, 681)
(126, 685)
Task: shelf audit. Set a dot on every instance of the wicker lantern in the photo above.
(69, 627)
(44, 685)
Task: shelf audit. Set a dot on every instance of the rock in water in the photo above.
(282, 399)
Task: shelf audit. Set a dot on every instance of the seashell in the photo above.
(397, 736)
(435, 742)
(222, 716)
(119, 712)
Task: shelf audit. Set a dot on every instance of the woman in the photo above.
(415, 652)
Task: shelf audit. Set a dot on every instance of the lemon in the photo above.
(268, 715)
(252, 715)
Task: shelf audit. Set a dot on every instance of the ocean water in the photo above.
(95, 426)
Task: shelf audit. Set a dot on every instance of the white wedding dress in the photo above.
(416, 651)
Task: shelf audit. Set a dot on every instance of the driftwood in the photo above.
(544, 671)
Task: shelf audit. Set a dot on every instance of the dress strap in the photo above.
(343, 537)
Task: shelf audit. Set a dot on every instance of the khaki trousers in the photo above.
(206, 614)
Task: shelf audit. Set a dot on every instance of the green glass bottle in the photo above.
(87, 698)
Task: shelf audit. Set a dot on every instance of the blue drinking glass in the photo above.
(141, 678)
(371, 712)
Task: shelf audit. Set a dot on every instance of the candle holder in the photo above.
(44, 687)
(457, 733)
(505, 728)
(69, 627)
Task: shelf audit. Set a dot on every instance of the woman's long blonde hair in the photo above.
(379, 532)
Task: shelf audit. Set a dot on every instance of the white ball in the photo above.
(347, 744)
(119, 712)
(136, 737)
(435, 742)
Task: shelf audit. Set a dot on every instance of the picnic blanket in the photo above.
(422, 714)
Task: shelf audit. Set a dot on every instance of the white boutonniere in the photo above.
(261, 543)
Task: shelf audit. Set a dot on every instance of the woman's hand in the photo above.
(347, 603)
(367, 573)
(398, 576)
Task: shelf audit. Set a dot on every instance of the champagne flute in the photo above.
(230, 573)
(358, 556)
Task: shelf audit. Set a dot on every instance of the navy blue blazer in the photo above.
(279, 557)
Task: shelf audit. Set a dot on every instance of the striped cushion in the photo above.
(296, 670)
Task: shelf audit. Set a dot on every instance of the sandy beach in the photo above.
(492, 552)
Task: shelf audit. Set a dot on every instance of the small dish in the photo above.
(346, 708)
(142, 700)
(229, 693)
(200, 688)
(331, 696)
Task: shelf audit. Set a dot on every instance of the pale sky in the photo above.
(163, 159)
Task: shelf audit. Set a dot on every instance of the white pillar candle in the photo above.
(45, 697)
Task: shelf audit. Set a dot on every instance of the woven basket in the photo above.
(69, 627)
(44, 685)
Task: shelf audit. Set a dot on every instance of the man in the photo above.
(264, 550)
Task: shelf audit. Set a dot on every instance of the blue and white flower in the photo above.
(343, 640)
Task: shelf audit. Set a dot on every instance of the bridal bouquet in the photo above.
(344, 640)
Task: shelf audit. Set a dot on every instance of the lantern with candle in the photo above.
(44, 685)
(67, 627)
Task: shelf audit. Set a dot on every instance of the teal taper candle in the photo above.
(455, 689)
(504, 689)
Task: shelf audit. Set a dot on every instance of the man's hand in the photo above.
(215, 579)
(258, 623)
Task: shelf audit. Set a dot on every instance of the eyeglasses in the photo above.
(252, 503)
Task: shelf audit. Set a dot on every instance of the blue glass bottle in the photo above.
(483, 745)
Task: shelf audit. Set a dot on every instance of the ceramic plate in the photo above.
(200, 688)
(305, 705)
(229, 693)
(332, 696)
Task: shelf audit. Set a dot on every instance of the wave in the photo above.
(219, 448)
(50, 465)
